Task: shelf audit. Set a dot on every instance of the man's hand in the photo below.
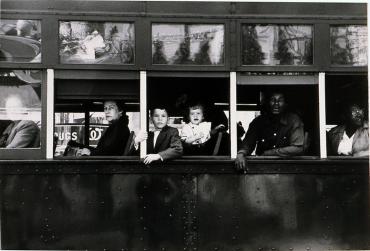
(140, 137)
(83, 152)
(240, 163)
(151, 157)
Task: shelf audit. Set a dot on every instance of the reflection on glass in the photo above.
(96, 42)
(20, 40)
(348, 45)
(68, 126)
(277, 45)
(20, 109)
(179, 44)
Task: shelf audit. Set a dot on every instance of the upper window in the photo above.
(96, 43)
(20, 40)
(188, 44)
(277, 44)
(348, 45)
(20, 109)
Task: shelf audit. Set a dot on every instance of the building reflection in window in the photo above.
(348, 45)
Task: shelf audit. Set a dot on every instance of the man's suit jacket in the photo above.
(168, 144)
(23, 134)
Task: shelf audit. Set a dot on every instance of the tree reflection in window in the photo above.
(348, 45)
(277, 44)
(183, 44)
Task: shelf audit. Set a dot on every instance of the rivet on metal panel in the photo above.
(291, 249)
(308, 248)
(260, 249)
(50, 208)
(273, 249)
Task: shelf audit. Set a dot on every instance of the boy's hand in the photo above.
(151, 157)
(140, 137)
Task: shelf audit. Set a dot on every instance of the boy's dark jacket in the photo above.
(168, 144)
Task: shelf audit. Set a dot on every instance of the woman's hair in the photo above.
(120, 105)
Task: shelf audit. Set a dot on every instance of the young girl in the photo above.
(196, 131)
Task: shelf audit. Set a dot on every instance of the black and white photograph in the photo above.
(195, 125)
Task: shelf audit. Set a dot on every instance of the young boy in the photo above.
(164, 143)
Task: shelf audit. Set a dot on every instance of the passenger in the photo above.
(162, 144)
(114, 139)
(20, 133)
(276, 132)
(352, 137)
(196, 133)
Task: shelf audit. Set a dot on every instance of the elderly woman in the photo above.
(352, 137)
(114, 139)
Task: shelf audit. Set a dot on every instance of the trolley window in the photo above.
(277, 44)
(96, 117)
(277, 114)
(348, 45)
(96, 42)
(20, 40)
(20, 109)
(188, 44)
(347, 115)
(199, 108)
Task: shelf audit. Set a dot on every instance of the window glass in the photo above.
(347, 115)
(96, 42)
(20, 40)
(198, 108)
(68, 126)
(348, 45)
(20, 108)
(277, 114)
(277, 44)
(185, 44)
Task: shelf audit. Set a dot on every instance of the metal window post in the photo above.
(322, 115)
(233, 127)
(50, 114)
(143, 110)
